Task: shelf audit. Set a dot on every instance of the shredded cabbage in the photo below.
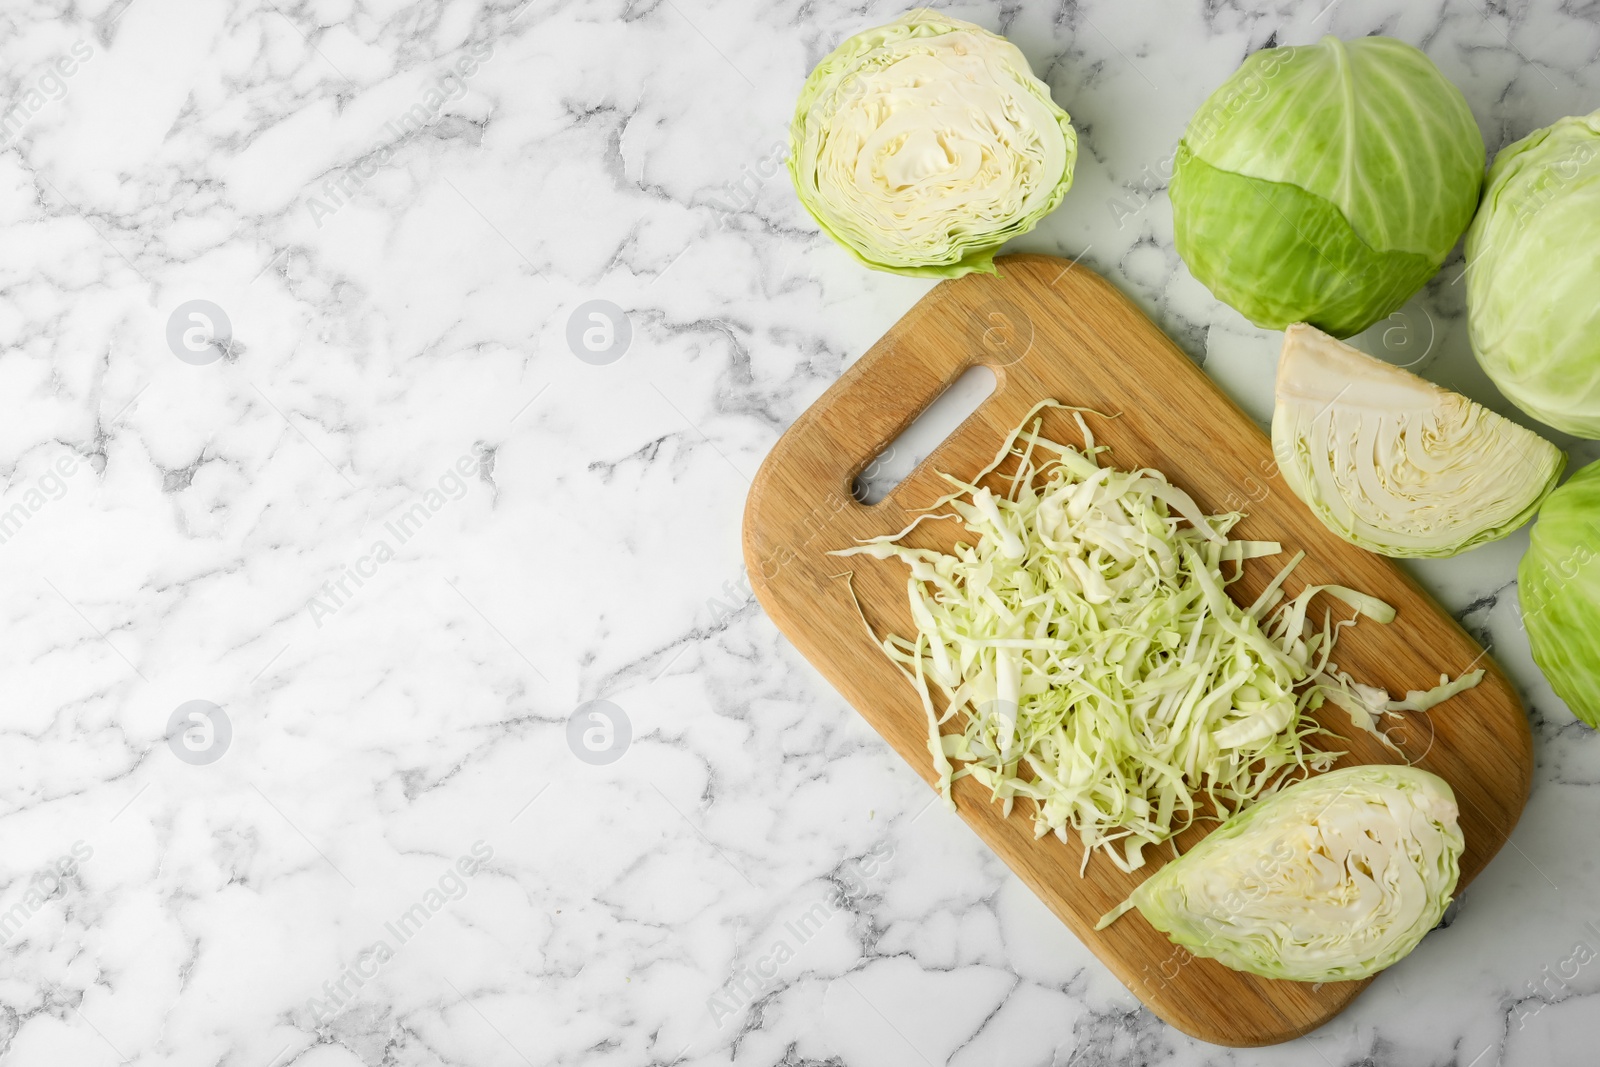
(1099, 668)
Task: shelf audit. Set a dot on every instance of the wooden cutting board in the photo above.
(1052, 329)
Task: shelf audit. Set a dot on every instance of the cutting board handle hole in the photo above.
(927, 432)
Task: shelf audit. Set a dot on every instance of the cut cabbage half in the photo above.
(1331, 879)
(1395, 464)
(924, 145)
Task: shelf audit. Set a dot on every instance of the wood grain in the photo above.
(1051, 329)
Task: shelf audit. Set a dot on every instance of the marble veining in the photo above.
(383, 385)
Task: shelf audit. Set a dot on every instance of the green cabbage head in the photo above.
(1559, 585)
(1533, 275)
(1334, 878)
(1326, 183)
(924, 145)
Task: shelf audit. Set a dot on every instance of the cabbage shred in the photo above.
(1086, 646)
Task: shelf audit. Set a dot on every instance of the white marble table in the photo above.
(380, 515)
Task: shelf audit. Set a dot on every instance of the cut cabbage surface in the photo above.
(923, 145)
(1329, 880)
(1396, 464)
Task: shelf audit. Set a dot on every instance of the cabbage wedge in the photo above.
(1396, 464)
(1332, 879)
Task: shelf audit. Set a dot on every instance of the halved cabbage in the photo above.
(924, 145)
(1395, 464)
(1332, 879)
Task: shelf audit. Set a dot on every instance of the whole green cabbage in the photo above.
(1533, 275)
(1332, 879)
(924, 145)
(1326, 183)
(1559, 585)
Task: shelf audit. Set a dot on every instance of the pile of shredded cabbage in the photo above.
(1098, 666)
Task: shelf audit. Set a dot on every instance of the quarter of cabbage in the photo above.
(1396, 464)
(1329, 880)
(1559, 585)
(1533, 275)
(924, 145)
(1326, 183)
